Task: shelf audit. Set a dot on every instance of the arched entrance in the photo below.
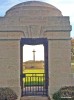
(31, 88)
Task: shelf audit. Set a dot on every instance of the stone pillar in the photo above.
(10, 64)
(59, 59)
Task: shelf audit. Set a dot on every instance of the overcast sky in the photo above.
(66, 7)
(28, 52)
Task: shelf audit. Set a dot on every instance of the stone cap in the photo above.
(33, 8)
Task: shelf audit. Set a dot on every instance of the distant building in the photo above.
(33, 64)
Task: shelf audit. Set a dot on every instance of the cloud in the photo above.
(67, 1)
(66, 9)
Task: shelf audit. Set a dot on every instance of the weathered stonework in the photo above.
(35, 20)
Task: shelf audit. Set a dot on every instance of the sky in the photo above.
(65, 6)
(28, 52)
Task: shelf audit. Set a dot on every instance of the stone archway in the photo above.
(32, 89)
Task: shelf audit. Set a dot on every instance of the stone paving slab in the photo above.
(34, 98)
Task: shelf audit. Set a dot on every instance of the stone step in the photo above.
(34, 98)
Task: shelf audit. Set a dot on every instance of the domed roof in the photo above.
(34, 8)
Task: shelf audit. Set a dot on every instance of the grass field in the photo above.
(33, 71)
(33, 79)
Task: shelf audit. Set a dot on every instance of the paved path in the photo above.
(34, 98)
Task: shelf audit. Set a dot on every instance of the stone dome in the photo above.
(33, 8)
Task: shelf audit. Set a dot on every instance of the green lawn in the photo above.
(33, 71)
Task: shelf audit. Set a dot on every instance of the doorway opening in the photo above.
(34, 67)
